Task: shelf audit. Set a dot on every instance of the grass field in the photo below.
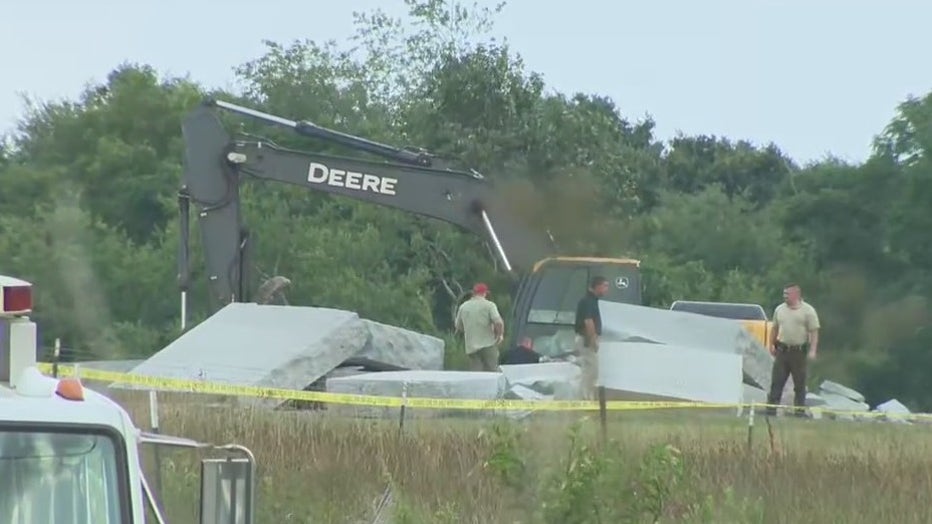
(554, 468)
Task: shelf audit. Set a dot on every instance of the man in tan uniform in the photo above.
(482, 327)
(793, 341)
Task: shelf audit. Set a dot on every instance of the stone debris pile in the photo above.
(645, 354)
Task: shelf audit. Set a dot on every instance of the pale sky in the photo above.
(813, 76)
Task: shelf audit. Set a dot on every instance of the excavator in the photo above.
(547, 286)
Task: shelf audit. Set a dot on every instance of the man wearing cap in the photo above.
(482, 327)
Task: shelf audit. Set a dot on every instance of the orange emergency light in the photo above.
(70, 389)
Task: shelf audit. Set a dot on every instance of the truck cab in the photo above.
(70, 455)
(67, 455)
(751, 316)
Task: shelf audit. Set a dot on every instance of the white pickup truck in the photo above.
(70, 455)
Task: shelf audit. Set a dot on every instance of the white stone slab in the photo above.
(520, 392)
(894, 411)
(261, 345)
(420, 383)
(814, 400)
(840, 390)
(402, 347)
(837, 403)
(630, 323)
(559, 379)
(893, 407)
(670, 371)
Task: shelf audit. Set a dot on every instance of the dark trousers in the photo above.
(789, 361)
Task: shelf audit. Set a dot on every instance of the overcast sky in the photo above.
(813, 76)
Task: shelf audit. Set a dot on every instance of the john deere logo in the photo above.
(621, 282)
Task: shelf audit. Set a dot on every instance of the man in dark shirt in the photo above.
(588, 330)
(523, 353)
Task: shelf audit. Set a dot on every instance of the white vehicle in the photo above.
(70, 455)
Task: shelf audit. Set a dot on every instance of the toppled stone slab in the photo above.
(836, 405)
(261, 345)
(630, 323)
(402, 347)
(519, 392)
(842, 391)
(420, 383)
(815, 400)
(758, 396)
(893, 407)
(894, 411)
(671, 372)
(560, 380)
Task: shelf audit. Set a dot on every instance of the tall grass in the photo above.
(556, 468)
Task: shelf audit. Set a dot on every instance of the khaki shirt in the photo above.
(475, 318)
(795, 324)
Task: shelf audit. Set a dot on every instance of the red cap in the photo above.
(480, 288)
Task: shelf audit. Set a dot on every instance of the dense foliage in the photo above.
(88, 206)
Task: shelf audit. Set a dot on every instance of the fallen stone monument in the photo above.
(402, 347)
(647, 371)
(470, 385)
(630, 323)
(287, 347)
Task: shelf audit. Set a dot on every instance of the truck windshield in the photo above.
(59, 478)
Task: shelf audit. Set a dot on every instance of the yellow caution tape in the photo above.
(216, 388)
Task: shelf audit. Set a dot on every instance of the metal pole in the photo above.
(404, 404)
(495, 242)
(154, 422)
(184, 310)
(56, 354)
(255, 114)
(750, 425)
(603, 414)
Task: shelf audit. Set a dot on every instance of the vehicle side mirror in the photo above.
(228, 491)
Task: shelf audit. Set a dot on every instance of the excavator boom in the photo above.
(216, 163)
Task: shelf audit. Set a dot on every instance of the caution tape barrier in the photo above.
(216, 388)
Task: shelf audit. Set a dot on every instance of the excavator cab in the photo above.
(545, 302)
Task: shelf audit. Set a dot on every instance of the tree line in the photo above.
(88, 209)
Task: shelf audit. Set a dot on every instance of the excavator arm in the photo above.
(216, 164)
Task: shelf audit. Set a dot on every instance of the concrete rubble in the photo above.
(837, 399)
